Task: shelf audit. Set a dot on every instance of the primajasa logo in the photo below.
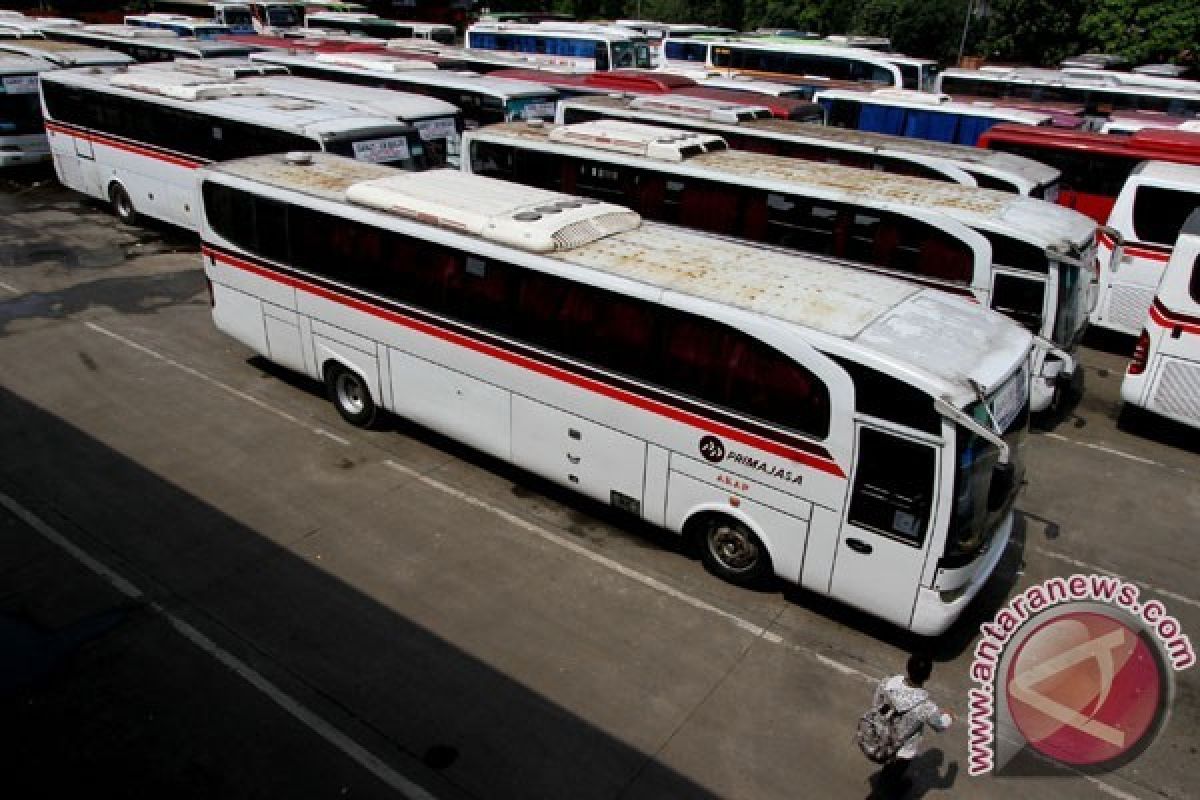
(713, 450)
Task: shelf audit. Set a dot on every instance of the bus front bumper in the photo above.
(935, 611)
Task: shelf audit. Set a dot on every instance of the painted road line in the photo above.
(1096, 568)
(295, 708)
(1103, 449)
(195, 373)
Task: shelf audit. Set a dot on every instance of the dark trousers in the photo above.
(892, 776)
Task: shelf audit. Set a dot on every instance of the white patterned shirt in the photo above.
(916, 710)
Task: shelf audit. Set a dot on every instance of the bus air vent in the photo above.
(695, 107)
(374, 62)
(664, 144)
(530, 219)
(183, 87)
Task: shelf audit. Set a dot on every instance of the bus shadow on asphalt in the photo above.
(340, 651)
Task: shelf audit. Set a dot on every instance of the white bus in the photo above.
(919, 115)
(378, 27)
(579, 45)
(147, 44)
(1026, 258)
(1164, 375)
(184, 27)
(236, 16)
(756, 130)
(135, 138)
(780, 60)
(1158, 197)
(22, 135)
(855, 435)
(439, 123)
(483, 99)
(64, 54)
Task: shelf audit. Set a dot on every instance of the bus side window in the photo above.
(491, 160)
(622, 336)
(689, 355)
(601, 55)
(1194, 282)
(893, 486)
(1159, 214)
(1020, 299)
(709, 206)
(766, 384)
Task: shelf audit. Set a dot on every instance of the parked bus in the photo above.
(598, 47)
(147, 44)
(1164, 375)
(919, 115)
(916, 73)
(1094, 166)
(64, 54)
(1149, 214)
(775, 60)
(22, 136)
(753, 129)
(236, 16)
(438, 123)
(276, 16)
(135, 138)
(361, 24)
(483, 99)
(1098, 94)
(437, 32)
(1028, 259)
(854, 435)
(184, 27)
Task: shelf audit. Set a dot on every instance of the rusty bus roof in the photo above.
(984, 208)
(935, 340)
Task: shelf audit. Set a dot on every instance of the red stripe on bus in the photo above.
(1139, 251)
(1167, 318)
(96, 138)
(629, 398)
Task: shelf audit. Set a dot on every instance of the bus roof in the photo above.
(1187, 175)
(65, 54)
(1024, 217)
(153, 38)
(569, 30)
(22, 65)
(453, 79)
(1035, 172)
(1150, 143)
(237, 101)
(908, 98)
(937, 340)
(1085, 79)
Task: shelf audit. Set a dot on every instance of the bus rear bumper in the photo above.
(935, 611)
(20, 158)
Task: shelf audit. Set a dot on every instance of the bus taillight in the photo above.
(1141, 352)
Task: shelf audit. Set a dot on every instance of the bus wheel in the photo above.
(122, 205)
(731, 551)
(350, 396)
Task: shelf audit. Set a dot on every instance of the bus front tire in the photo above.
(350, 396)
(121, 203)
(731, 551)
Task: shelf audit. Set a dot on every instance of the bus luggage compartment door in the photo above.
(593, 459)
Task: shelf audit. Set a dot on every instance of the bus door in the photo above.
(886, 524)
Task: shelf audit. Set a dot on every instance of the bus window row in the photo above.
(836, 67)
(682, 353)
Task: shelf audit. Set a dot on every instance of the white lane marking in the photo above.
(1096, 568)
(615, 566)
(1111, 451)
(9, 288)
(307, 717)
(195, 373)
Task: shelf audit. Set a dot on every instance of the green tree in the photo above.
(927, 28)
(1143, 30)
(1033, 31)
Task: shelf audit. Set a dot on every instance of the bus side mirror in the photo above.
(1003, 477)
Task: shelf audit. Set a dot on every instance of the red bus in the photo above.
(651, 82)
(1094, 166)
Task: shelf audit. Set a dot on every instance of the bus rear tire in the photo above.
(121, 203)
(350, 396)
(731, 551)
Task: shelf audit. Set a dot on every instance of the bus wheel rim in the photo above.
(733, 547)
(350, 393)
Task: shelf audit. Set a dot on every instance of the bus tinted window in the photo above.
(682, 353)
(893, 486)
(20, 114)
(1159, 214)
(887, 398)
(1019, 298)
(1014, 253)
(686, 51)
(1090, 172)
(1194, 283)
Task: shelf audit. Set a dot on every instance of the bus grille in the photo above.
(1178, 392)
(1129, 306)
(589, 230)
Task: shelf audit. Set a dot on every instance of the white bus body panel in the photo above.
(1128, 283)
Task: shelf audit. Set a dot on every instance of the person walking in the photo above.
(910, 710)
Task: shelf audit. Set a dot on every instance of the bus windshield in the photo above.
(1072, 303)
(238, 18)
(626, 55)
(530, 108)
(283, 17)
(20, 114)
(976, 514)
